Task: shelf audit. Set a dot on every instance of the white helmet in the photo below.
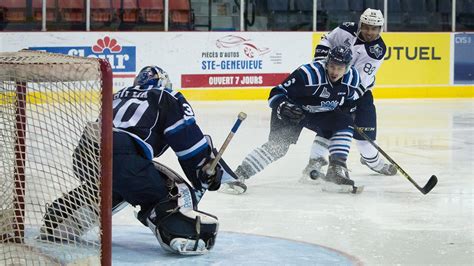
(373, 17)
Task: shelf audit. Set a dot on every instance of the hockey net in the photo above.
(48, 103)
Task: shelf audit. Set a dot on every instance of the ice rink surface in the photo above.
(389, 223)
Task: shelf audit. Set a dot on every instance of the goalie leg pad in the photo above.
(185, 233)
(178, 225)
(69, 217)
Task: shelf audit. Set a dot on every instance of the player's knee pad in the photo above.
(178, 225)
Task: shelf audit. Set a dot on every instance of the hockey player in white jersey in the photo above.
(369, 50)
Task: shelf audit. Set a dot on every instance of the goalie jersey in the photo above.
(367, 56)
(158, 118)
(310, 87)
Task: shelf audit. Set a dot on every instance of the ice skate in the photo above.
(238, 186)
(313, 171)
(337, 179)
(382, 168)
(188, 247)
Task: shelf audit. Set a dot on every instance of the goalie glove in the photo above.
(223, 173)
(195, 170)
(290, 112)
(211, 178)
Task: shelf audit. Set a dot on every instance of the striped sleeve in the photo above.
(280, 93)
(181, 131)
(277, 95)
(296, 85)
(352, 80)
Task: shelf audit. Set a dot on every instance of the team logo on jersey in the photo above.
(347, 42)
(325, 106)
(325, 93)
(376, 50)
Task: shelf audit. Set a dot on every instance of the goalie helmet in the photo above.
(152, 76)
(372, 17)
(340, 55)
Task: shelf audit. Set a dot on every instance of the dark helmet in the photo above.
(154, 76)
(340, 55)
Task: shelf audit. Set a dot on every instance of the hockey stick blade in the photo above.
(427, 188)
(429, 185)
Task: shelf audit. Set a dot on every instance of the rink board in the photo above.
(382, 92)
(246, 65)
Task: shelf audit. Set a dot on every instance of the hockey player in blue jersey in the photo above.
(369, 50)
(310, 98)
(148, 118)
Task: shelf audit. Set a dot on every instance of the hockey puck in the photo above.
(315, 174)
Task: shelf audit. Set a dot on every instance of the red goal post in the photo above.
(48, 103)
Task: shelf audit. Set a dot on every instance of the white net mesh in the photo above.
(49, 159)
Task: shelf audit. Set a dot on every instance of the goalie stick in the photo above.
(210, 170)
(241, 117)
(212, 165)
(429, 185)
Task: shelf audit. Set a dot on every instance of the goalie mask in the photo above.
(177, 224)
(152, 76)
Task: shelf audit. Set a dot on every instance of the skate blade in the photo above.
(234, 188)
(309, 181)
(335, 188)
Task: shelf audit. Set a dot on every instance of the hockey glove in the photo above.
(290, 112)
(321, 52)
(213, 179)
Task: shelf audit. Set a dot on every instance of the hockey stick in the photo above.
(212, 167)
(429, 185)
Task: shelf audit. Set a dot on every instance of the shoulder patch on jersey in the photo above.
(313, 74)
(350, 27)
(322, 71)
(351, 78)
(376, 49)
